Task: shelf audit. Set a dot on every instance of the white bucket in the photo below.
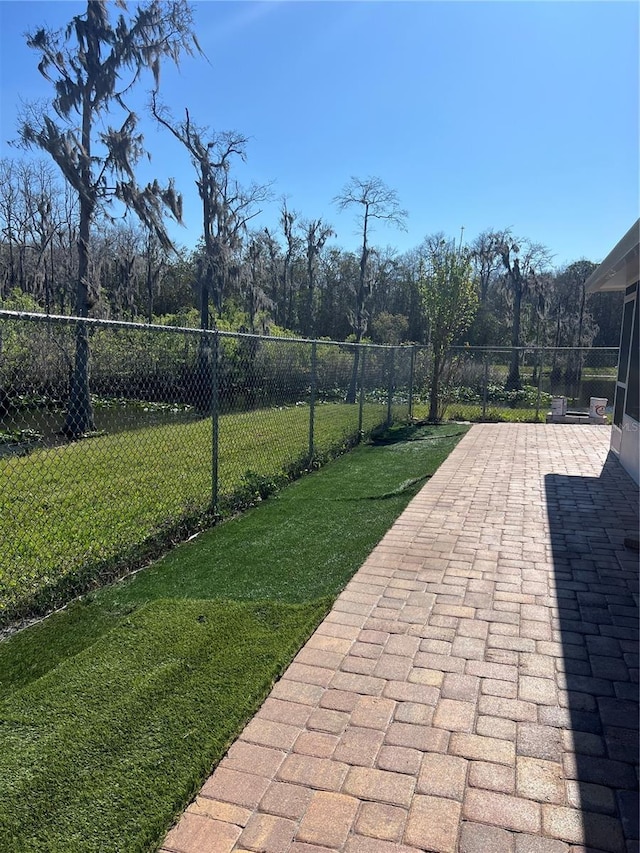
(558, 407)
(597, 407)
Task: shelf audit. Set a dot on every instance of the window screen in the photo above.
(633, 379)
(625, 340)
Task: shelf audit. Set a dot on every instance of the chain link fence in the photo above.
(474, 383)
(178, 427)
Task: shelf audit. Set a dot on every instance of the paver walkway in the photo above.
(474, 688)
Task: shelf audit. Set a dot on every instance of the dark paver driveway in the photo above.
(475, 686)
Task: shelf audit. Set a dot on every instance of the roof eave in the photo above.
(620, 268)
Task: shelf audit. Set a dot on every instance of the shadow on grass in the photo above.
(413, 432)
(596, 578)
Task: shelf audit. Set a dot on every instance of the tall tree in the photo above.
(30, 214)
(227, 208)
(316, 234)
(155, 263)
(273, 271)
(574, 325)
(375, 201)
(65, 250)
(41, 209)
(116, 250)
(524, 265)
(385, 276)
(92, 66)
(410, 269)
(339, 270)
(13, 222)
(287, 221)
(486, 258)
(449, 300)
(256, 302)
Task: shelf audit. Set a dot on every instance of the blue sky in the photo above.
(479, 114)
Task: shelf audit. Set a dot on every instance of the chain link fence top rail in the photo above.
(179, 425)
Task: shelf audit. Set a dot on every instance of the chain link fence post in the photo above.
(215, 421)
(312, 400)
(412, 367)
(540, 362)
(391, 357)
(485, 386)
(363, 357)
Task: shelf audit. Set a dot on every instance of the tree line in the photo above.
(79, 235)
(292, 279)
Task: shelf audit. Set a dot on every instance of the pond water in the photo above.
(47, 422)
(598, 386)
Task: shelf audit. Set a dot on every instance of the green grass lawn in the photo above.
(493, 414)
(83, 511)
(113, 711)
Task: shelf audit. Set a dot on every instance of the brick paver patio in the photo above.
(474, 688)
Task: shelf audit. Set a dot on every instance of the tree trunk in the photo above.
(359, 313)
(309, 319)
(353, 384)
(435, 388)
(150, 285)
(11, 283)
(513, 379)
(283, 316)
(79, 418)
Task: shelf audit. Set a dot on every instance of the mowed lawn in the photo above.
(493, 414)
(114, 710)
(69, 513)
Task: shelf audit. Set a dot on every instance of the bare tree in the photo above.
(14, 219)
(7, 228)
(29, 215)
(227, 208)
(375, 202)
(41, 214)
(486, 258)
(87, 65)
(64, 250)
